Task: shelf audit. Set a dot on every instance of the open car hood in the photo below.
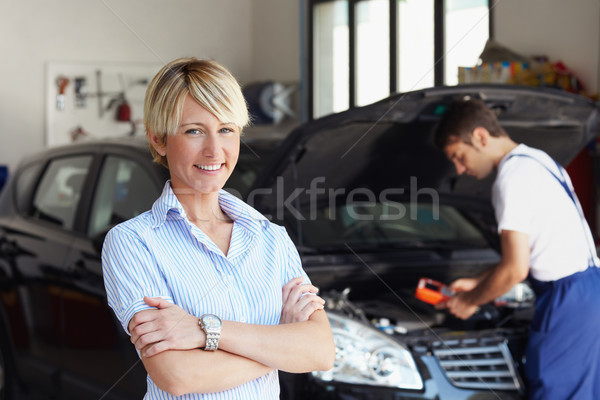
(389, 144)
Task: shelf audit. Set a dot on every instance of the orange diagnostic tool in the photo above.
(432, 292)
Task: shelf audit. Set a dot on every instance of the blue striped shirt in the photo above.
(160, 253)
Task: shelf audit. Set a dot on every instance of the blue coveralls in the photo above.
(563, 353)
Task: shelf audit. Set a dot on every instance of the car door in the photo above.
(34, 245)
(99, 361)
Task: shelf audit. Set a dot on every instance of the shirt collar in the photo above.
(168, 205)
(521, 148)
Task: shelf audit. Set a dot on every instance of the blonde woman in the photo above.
(213, 294)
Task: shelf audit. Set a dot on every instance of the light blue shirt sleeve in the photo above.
(293, 267)
(130, 273)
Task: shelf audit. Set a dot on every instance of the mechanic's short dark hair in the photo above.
(460, 119)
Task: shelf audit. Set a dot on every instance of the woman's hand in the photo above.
(166, 327)
(299, 301)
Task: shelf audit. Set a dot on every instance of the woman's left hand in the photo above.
(165, 327)
(299, 301)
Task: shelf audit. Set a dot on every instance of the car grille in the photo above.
(478, 364)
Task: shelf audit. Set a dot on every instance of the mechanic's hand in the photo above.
(166, 327)
(459, 306)
(464, 285)
(299, 301)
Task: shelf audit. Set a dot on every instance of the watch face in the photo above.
(211, 321)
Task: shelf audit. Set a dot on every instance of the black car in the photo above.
(58, 337)
(372, 206)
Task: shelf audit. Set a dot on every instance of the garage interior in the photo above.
(118, 45)
(77, 71)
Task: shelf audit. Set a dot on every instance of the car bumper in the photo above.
(436, 387)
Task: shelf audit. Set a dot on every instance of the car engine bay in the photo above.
(381, 342)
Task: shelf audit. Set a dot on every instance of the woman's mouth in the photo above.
(210, 167)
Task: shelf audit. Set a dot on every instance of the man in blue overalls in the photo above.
(543, 235)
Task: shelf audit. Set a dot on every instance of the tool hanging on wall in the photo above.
(99, 93)
(117, 100)
(61, 83)
(80, 91)
(123, 109)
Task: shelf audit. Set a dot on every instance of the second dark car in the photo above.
(373, 206)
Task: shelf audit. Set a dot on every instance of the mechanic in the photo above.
(543, 235)
(213, 295)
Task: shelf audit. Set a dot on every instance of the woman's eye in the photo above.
(227, 130)
(193, 131)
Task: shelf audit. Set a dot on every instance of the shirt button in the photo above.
(243, 319)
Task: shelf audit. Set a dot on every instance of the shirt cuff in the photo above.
(135, 307)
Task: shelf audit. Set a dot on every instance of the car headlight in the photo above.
(366, 356)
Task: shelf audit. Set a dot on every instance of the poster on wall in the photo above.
(95, 100)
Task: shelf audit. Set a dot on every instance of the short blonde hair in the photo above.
(207, 81)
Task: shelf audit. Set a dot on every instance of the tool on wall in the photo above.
(123, 109)
(116, 99)
(99, 93)
(61, 83)
(80, 91)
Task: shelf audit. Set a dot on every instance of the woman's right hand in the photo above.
(299, 301)
(164, 327)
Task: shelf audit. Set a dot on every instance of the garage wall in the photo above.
(562, 30)
(35, 33)
(256, 39)
(276, 40)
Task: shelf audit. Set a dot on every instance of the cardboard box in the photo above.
(497, 72)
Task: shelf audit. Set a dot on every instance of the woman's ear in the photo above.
(158, 143)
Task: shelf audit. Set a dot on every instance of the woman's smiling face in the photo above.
(203, 152)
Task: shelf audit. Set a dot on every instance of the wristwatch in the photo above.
(211, 325)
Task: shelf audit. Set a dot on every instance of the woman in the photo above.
(213, 295)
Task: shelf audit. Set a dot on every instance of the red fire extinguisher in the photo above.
(124, 111)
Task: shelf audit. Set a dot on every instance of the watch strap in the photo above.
(212, 341)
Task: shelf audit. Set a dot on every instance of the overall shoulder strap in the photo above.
(571, 195)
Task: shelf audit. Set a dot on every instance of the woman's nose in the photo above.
(211, 146)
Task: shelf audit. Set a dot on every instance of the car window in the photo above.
(57, 197)
(124, 191)
(391, 223)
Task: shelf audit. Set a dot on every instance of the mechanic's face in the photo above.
(469, 158)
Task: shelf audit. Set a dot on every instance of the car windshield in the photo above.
(388, 224)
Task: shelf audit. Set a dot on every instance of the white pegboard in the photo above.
(95, 113)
